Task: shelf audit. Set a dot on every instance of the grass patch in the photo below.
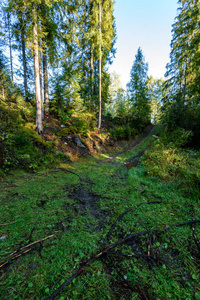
(80, 211)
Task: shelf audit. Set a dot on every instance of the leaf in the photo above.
(30, 284)
(194, 276)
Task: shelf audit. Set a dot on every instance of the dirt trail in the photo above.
(132, 146)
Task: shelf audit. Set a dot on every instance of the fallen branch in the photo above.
(127, 211)
(8, 223)
(24, 249)
(13, 258)
(105, 251)
(33, 243)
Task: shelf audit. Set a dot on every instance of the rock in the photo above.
(3, 237)
(78, 142)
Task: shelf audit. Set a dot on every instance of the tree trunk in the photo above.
(45, 74)
(24, 62)
(41, 85)
(37, 74)
(91, 76)
(99, 124)
(10, 46)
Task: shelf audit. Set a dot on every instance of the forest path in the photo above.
(131, 147)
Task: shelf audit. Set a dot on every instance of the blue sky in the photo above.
(146, 24)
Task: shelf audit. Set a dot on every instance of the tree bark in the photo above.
(10, 46)
(24, 61)
(45, 74)
(99, 124)
(41, 85)
(37, 74)
(91, 75)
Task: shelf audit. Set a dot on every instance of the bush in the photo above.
(179, 137)
(172, 163)
(24, 148)
(79, 123)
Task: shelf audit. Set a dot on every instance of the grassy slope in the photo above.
(81, 212)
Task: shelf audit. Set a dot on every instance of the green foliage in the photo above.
(78, 123)
(24, 148)
(182, 90)
(169, 162)
(156, 95)
(122, 133)
(138, 90)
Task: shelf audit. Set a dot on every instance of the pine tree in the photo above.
(156, 95)
(183, 89)
(138, 91)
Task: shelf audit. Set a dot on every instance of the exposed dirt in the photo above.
(87, 201)
(95, 142)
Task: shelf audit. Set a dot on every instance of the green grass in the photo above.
(50, 202)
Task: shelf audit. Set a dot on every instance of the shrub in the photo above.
(24, 148)
(170, 162)
(79, 123)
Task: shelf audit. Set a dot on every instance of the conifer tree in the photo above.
(182, 87)
(137, 90)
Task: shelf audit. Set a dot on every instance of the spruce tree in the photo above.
(183, 89)
(138, 90)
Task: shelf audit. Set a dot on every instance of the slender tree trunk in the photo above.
(10, 46)
(37, 74)
(91, 75)
(3, 93)
(99, 124)
(24, 62)
(185, 82)
(41, 85)
(45, 74)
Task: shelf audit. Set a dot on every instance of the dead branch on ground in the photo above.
(112, 246)
(126, 212)
(24, 250)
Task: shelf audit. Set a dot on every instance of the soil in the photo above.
(95, 142)
(88, 202)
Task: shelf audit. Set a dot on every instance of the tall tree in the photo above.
(99, 123)
(182, 87)
(156, 95)
(37, 71)
(138, 90)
